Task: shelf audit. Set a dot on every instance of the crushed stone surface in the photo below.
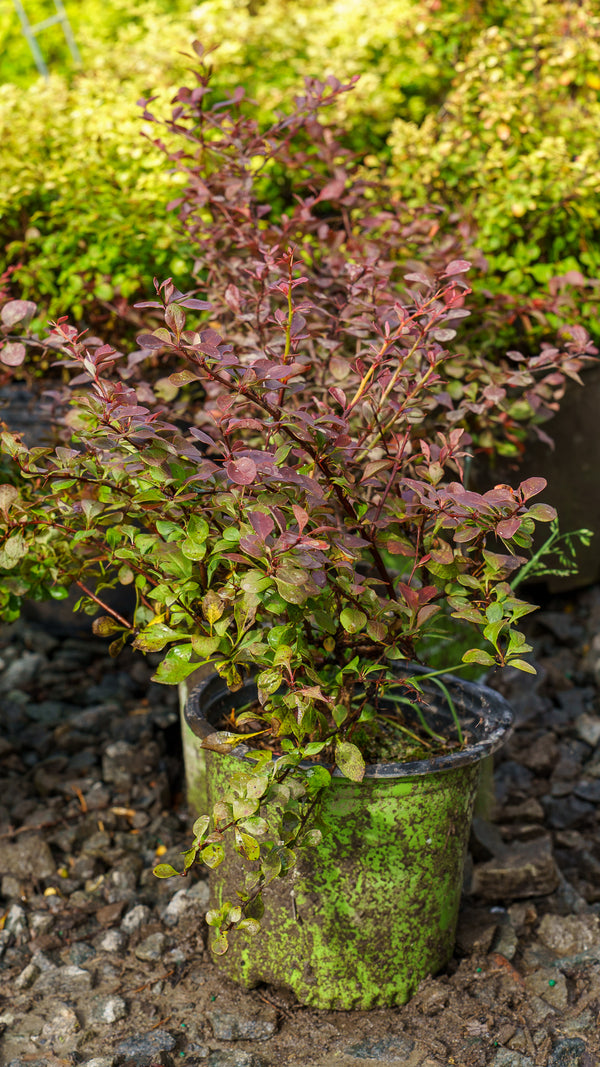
(103, 965)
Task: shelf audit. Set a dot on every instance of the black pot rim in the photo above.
(491, 709)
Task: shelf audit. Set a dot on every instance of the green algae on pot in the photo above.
(372, 909)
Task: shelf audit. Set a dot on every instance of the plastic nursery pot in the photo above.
(372, 910)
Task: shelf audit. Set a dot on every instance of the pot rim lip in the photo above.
(474, 753)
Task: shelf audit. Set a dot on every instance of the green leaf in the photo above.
(493, 612)
(176, 666)
(200, 827)
(204, 646)
(268, 682)
(349, 761)
(314, 747)
(493, 630)
(317, 778)
(212, 855)
(477, 655)
(243, 808)
(220, 944)
(105, 626)
(312, 838)
(522, 665)
(156, 636)
(353, 620)
(164, 870)
(292, 594)
(542, 512)
(248, 845)
(189, 856)
(250, 926)
(255, 825)
(340, 714)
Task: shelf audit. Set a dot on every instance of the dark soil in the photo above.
(103, 964)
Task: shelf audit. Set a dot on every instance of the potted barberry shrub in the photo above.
(296, 517)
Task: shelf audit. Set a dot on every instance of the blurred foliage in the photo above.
(83, 198)
(515, 147)
(493, 109)
(95, 23)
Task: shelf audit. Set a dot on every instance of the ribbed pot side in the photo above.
(372, 910)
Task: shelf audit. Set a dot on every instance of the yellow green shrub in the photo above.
(83, 196)
(516, 144)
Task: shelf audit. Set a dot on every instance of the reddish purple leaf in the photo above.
(261, 524)
(17, 311)
(300, 515)
(195, 305)
(339, 395)
(13, 354)
(148, 340)
(508, 527)
(532, 486)
(457, 266)
(242, 471)
(332, 191)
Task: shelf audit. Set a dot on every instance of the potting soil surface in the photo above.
(103, 964)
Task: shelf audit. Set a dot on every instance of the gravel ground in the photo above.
(102, 964)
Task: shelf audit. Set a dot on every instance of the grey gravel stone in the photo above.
(505, 1058)
(567, 935)
(40, 922)
(550, 985)
(143, 1049)
(81, 952)
(136, 918)
(22, 671)
(27, 977)
(114, 941)
(566, 813)
(152, 948)
(234, 1058)
(392, 1049)
(16, 921)
(108, 1009)
(100, 1061)
(588, 728)
(227, 1026)
(64, 981)
(185, 900)
(42, 961)
(5, 941)
(588, 790)
(570, 1052)
(28, 857)
(60, 1031)
(526, 869)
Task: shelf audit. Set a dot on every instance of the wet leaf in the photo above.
(242, 471)
(352, 620)
(350, 761)
(212, 855)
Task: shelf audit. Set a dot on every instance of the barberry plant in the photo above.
(295, 504)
